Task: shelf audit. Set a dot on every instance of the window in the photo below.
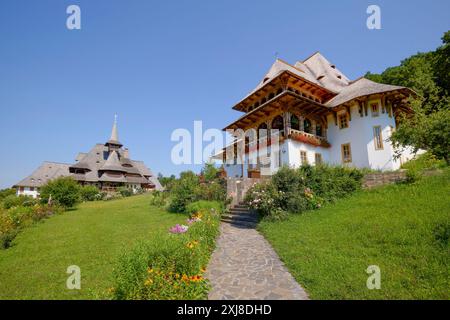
(303, 158)
(378, 138)
(278, 123)
(262, 131)
(31, 188)
(343, 121)
(318, 130)
(318, 159)
(346, 153)
(307, 126)
(295, 123)
(374, 108)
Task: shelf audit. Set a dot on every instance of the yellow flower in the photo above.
(203, 269)
(149, 270)
(148, 282)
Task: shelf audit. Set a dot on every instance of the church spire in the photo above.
(114, 134)
(114, 140)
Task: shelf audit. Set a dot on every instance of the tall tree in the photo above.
(429, 126)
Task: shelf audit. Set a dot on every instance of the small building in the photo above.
(321, 117)
(107, 166)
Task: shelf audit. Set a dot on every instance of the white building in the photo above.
(322, 117)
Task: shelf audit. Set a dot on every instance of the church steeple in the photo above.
(114, 139)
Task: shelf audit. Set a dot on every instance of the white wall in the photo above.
(27, 192)
(360, 135)
(294, 153)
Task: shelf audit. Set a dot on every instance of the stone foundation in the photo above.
(372, 180)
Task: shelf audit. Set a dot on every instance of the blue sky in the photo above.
(160, 65)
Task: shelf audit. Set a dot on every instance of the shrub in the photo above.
(264, 198)
(202, 205)
(90, 193)
(64, 191)
(125, 192)
(170, 266)
(18, 217)
(14, 201)
(213, 191)
(426, 161)
(184, 191)
(158, 198)
(112, 196)
(305, 188)
(7, 192)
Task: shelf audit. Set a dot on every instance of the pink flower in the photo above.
(179, 229)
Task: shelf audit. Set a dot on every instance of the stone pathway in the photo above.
(244, 266)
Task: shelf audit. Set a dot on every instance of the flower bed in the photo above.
(297, 190)
(171, 265)
(16, 218)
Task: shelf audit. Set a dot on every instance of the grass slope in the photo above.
(91, 237)
(329, 250)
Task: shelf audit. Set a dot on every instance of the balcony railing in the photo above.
(308, 138)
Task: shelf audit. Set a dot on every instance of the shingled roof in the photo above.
(44, 173)
(320, 72)
(103, 163)
(360, 88)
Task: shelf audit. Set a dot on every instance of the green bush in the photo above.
(7, 192)
(90, 193)
(184, 191)
(14, 201)
(19, 217)
(63, 191)
(201, 205)
(298, 190)
(169, 266)
(125, 192)
(424, 161)
(158, 199)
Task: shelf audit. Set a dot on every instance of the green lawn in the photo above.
(91, 237)
(394, 227)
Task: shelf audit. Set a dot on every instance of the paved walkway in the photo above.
(244, 266)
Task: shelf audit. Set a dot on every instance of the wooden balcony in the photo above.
(308, 138)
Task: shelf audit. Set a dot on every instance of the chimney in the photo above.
(126, 153)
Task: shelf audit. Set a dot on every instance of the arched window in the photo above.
(307, 126)
(319, 129)
(263, 100)
(271, 95)
(295, 122)
(262, 130)
(277, 123)
(279, 91)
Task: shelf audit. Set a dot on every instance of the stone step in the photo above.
(251, 218)
(240, 206)
(240, 223)
(239, 211)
